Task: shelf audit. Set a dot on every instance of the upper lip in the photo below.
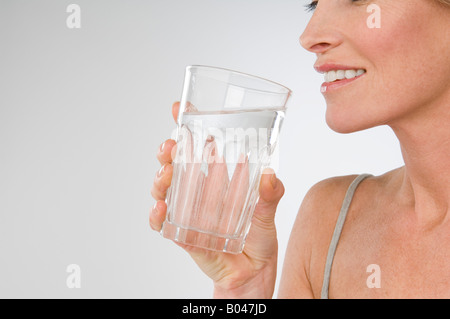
(326, 67)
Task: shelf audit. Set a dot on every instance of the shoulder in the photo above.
(310, 237)
(320, 207)
(324, 194)
(313, 228)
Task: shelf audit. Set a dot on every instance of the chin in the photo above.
(345, 122)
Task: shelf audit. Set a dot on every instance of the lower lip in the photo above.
(331, 86)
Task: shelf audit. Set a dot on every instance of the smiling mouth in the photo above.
(335, 79)
(337, 75)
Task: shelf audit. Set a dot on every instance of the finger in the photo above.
(166, 152)
(175, 110)
(162, 182)
(261, 241)
(271, 190)
(157, 215)
(189, 107)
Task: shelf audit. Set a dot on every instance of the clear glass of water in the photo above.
(227, 132)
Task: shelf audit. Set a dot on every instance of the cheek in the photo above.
(403, 57)
(389, 49)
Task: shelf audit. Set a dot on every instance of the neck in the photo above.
(425, 144)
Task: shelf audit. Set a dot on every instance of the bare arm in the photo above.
(310, 237)
(295, 281)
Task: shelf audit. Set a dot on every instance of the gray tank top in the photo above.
(337, 233)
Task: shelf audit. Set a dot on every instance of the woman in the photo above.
(353, 233)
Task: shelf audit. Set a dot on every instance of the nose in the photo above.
(321, 34)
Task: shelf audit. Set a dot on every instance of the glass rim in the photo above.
(288, 91)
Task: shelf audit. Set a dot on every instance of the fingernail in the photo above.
(161, 148)
(273, 180)
(161, 171)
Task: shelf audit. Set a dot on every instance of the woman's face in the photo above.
(406, 60)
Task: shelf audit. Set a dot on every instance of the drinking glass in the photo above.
(227, 132)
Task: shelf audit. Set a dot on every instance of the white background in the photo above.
(83, 111)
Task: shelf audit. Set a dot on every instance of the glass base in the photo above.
(202, 240)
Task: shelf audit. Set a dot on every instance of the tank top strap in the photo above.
(337, 233)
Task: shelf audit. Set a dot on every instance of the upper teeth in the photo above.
(332, 76)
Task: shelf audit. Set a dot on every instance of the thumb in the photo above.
(271, 189)
(262, 238)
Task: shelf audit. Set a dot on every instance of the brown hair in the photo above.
(447, 2)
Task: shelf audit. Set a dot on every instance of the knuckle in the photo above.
(159, 191)
(154, 193)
